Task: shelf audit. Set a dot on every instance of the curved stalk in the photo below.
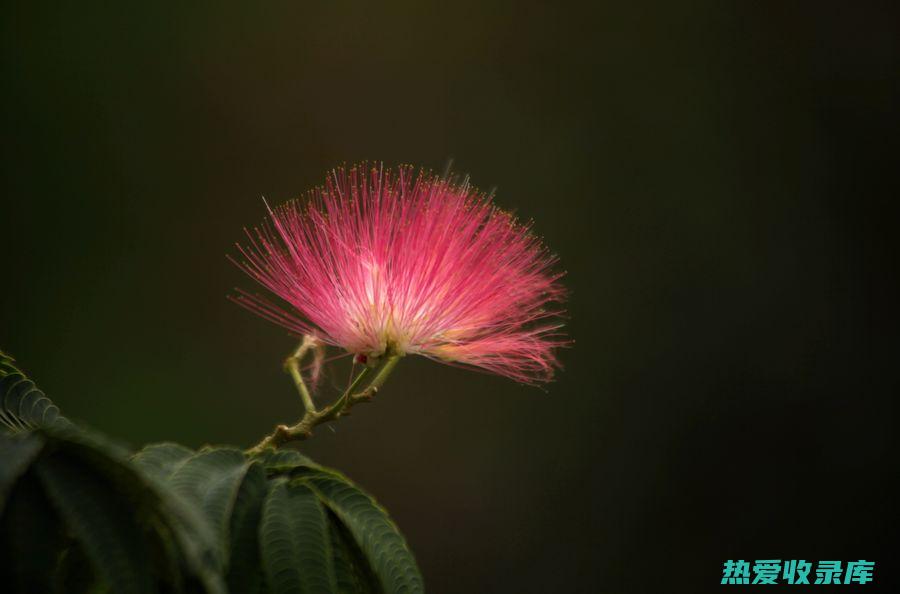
(303, 429)
(292, 365)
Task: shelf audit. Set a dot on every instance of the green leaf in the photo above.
(160, 460)
(74, 574)
(374, 532)
(31, 539)
(181, 549)
(23, 407)
(194, 543)
(101, 520)
(352, 572)
(175, 519)
(244, 572)
(16, 455)
(7, 365)
(295, 541)
(211, 479)
(284, 461)
(172, 516)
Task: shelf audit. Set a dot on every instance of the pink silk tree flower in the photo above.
(381, 262)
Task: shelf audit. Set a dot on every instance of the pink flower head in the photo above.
(379, 261)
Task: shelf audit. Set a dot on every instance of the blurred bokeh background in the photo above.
(717, 179)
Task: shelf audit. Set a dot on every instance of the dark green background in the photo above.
(716, 178)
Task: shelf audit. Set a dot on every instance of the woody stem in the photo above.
(301, 430)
